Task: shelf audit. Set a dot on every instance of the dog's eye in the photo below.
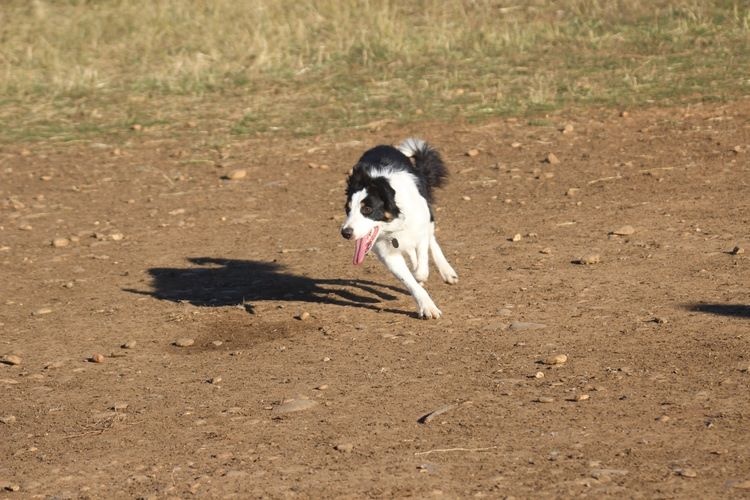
(366, 210)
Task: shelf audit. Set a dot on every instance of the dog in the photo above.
(389, 196)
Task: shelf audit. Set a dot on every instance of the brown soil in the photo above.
(657, 333)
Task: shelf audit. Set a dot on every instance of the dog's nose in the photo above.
(347, 232)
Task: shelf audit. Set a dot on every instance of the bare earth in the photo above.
(652, 401)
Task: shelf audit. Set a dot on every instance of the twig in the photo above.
(448, 450)
(602, 179)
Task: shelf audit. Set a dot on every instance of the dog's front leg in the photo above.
(396, 263)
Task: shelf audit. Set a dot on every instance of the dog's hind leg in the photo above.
(396, 263)
(445, 269)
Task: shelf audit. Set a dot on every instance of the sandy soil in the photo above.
(156, 246)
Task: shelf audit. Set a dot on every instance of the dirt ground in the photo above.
(156, 246)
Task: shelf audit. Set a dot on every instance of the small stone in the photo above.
(539, 375)
(69, 285)
(97, 358)
(516, 237)
(183, 342)
(237, 174)
(552, 159)
(41, 311)
(11, 359)
(590, 259)
(45, 177)
(12, 488)
(624, 114)
(54, 365)
(216, 343)
(689, 473)
(472, 152)
(116, 236)
(25, 227)
(738, 250)
(130, 344)
(466, 198)
(544, 399)
(8, 419)
(515, 145)
(293, 405)
(60, 242)
(525, 325)
(581, 397)
(663, 419)
(557, 359)
(742, 485)
(321, 387)
(214, 380)
(624, 231)
(304, 315)
(567, 129)
(344, 447)
(136, 127)
(546, 250)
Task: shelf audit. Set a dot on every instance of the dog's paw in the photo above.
(429, 311)
(448, 274)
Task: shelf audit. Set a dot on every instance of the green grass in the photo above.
(71, 69)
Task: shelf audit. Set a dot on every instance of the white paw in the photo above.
(429, 311)
(449, 275)
(421, 277)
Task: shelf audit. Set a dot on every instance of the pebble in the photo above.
(590, 259)
(544, 399)
(293, 405)
(687, 473)
(25, 227)
(136, 127)
(54, 365)
(322, 387)
(60, 242)
(557, 359)
(571, 192)
(184, 342)
(515, 145)
(11, 359)
(624, 231)
(304, 315)
(539, 375)
(97, 358)
(567, 129)
(472, 152)
(41, 311)
(581, 397)
(742, 485)
(8, 419)
(239, 173)
(117, 236)
(552, 159)
(516, 237)
(738, 250)
(546, 250)
(214, 380)
(524, 325)
(130, 344)
(663, 419)
(466, 198)
(216, 343)
(12, 488)
(344, 447)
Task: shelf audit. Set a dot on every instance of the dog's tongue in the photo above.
(363, 245)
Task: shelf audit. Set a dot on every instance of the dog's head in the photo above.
(370, 203)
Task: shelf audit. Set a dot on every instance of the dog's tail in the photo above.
(427, 162)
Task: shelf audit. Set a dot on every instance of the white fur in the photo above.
(412, 229)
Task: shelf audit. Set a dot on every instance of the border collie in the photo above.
(388, 208)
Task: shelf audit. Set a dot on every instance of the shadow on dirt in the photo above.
(227, 282)
(735, 310)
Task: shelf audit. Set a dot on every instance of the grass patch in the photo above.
(73, 68)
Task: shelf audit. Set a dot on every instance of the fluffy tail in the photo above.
(427, 163)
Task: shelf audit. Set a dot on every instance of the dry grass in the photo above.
(73, 68)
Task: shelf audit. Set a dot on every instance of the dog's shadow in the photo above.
(214, 282)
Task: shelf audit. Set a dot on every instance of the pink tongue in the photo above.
(362, 245)
(360, 250)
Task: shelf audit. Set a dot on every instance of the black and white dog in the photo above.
(388, 207)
